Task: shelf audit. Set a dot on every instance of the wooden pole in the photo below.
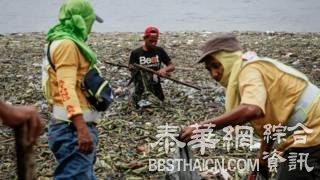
(154, 72)
(25, 163)
(119, 65)
(166, 77)
(125, 66)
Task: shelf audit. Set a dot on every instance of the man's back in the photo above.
(276, 93)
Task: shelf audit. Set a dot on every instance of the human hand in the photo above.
(85, 140)
(131, 67)
(186, 134)
(14, 116)
(163, 71)
(263, 171)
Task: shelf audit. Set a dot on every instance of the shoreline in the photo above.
(170, 32)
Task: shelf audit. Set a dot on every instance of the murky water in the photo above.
(171, 15)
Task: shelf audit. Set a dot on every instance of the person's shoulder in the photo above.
(250, 69)
(261, 66)
(158, 48)
(68, 42)
(250, 65)
(63, 46)
(137, 50)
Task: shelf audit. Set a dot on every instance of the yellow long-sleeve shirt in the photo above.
(65, 82)
(276, 93)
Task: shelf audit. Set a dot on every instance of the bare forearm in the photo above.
(238, 116)
(78, 121)
(4, 111)
(169, 68)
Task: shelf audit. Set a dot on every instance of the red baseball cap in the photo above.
(151, 30)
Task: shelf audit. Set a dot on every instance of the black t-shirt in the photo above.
(151, 59)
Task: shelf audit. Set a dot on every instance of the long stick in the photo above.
(25, 161)
(119, 65)
(166, 77)
(125, 66)
(154, 72)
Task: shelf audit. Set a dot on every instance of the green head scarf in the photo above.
(76, 18)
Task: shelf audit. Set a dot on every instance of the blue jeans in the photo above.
(72, 164)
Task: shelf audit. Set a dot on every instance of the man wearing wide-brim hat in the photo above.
(267, 94)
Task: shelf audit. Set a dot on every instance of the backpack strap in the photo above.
(49, 57)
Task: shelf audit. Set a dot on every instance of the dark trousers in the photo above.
(145, 83)
(297, 173)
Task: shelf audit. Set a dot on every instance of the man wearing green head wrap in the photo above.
(72, 133)
(280, 103)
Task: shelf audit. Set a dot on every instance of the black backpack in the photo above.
(97, 90)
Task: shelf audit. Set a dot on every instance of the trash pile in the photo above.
(125, 132)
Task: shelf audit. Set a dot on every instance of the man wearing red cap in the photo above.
(150, 56)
